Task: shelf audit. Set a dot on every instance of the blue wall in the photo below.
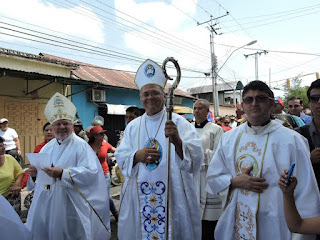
(88, 110)
(187, 102)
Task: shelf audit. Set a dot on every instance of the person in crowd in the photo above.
(75, 205)
(233, 122)
(101, 148)
(312, 132)
(142, 157)
(279, 106)
(295, 107)
(132, 113)
(239, 111)
(225, 123)
(11, 140)
(48, 135)
(286, 120)
(246, 167)
(295, 222)
(78, 130)
(99, 121)
(210, 133)
(11, 226)
(11, 175)
(218, 120)
(307, 111)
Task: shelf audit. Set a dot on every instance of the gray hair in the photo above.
(205, 102)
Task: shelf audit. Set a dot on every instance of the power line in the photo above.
(276, 21)
(158, 29)
(278, 13)
(266, 19)
(182, 11)
(164, 38)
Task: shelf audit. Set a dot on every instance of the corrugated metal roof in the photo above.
(108, 77)
(221, 87)
(39, 57)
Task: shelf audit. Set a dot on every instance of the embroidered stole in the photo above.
(151, 188)
(250, 151)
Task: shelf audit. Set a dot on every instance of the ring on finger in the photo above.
(149, 158)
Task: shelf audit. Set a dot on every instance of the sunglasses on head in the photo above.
(314, 98)
(258, 99)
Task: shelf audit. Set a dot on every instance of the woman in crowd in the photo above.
(295, 222)
(11, 174)
(48, 135)
(101, 148)
(11, 140)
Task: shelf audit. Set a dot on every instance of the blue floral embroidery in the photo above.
(153, 209)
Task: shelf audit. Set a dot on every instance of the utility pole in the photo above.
(213, 31)
(256, 61)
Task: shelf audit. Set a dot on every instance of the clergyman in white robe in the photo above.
(210, 205)
(142, 204)
(59, 211)
(269, 150)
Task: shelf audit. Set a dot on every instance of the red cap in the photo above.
(96, 130)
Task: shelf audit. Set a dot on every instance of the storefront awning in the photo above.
(182, 109)
(117, 109)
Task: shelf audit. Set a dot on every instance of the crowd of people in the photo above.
(222, 179)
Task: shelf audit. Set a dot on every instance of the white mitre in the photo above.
(150, 72)
(59, 107)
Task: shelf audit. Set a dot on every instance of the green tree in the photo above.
(296, 90)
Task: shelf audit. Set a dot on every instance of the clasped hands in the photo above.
(54, 172)
(245, 181)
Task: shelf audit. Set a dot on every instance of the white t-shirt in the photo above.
(8, 137)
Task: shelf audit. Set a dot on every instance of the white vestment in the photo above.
(60, 212)
(210, 205)
(142, 204)
(270, 151)
(11, 227)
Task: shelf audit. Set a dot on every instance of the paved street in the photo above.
(115, 194)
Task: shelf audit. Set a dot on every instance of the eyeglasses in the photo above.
(314, 98)
(293, 106)
(258, 99)
(227, 123)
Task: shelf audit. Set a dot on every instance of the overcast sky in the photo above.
(120, 34)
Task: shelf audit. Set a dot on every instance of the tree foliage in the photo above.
(296, 91)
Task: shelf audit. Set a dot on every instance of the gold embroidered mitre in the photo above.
(150, 72)
(59, 107)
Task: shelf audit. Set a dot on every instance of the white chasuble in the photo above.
(60, 211)
(270, 150)
(143, 195)
(210, 205)
(250, 152)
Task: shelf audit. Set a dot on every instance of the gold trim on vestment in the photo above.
(81, 194)
(261, 168)
(258, 201)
